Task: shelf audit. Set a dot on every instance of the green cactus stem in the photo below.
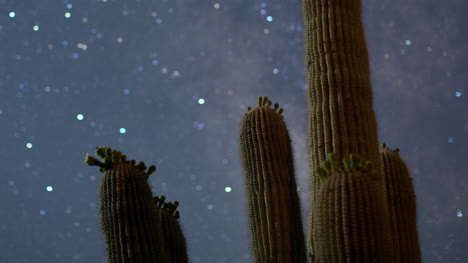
(129, 220)
(274, 209)
(401, 201)
(341, 117)
(351, 222)
(174, 240)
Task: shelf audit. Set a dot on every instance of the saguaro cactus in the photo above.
(173, 238)
(135, 227)
(363, 209)
(341, 116)
(274, 210)
(339, 94)
(401, 200)
(349, 218)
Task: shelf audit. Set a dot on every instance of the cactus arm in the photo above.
(254, 188)
(401, 201)
(351, 222)
(128, 217)
(274, 209)
(173, 236)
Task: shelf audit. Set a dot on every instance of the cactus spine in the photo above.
(274, 209)
(134, 227)
(402, 206)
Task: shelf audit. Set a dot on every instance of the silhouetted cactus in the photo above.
(349, 218)
(401, 201)
(274, 209)
(174, 241)
(362, 209)
(134, 226)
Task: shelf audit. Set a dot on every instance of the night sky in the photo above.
(168, 81)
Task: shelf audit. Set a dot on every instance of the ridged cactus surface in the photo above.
(341, 115)
(339, 95)
(363, 209)
(351, 222)
(274, 209)
(137, 229)
(401, 200)
(174, 240)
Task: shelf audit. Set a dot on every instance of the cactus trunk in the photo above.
(128, 217)
(275, 216)
(341, 117)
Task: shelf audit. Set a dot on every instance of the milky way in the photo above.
(167, 82)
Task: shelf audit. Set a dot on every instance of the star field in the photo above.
(168, 81)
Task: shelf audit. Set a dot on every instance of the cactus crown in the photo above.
(352, 162)
(112, 157)
(385, 147)
(265, 102)
(169, 207)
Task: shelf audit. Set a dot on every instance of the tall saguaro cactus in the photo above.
(356, 207)
(339, 95)
(341, 117)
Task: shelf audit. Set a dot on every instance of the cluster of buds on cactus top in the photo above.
(137, 226)
(363, 203)
(113, 157)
